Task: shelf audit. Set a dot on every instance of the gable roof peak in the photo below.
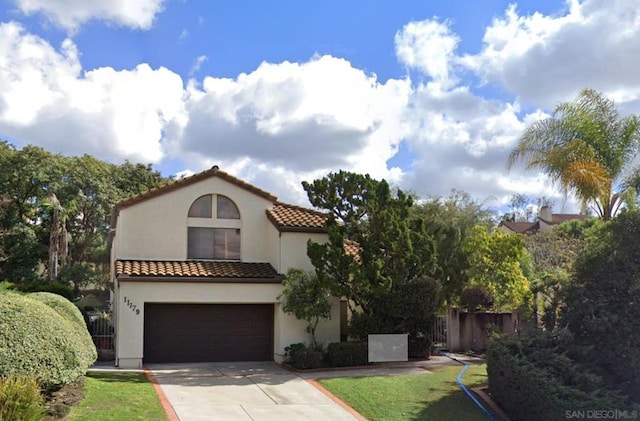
(214, 171)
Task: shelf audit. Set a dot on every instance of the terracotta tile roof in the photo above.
(213, 172)
(195, 269)
(351, 248)
(287, 217)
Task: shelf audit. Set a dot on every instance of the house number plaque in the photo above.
(132, 306)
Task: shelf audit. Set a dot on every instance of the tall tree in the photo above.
(449, 221)
(584, 147)
(392, 247)
(63, 205)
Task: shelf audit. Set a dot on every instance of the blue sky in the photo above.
(430, 95)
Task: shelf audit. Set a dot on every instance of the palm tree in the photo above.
(585, 147)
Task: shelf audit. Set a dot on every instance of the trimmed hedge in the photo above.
(35, 340)
(87, 351)
(301, 357)
(346, 354)
(531, 379)
(61, 305)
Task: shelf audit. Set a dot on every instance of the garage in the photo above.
(207, 332)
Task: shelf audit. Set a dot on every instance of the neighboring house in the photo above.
(197, 267)
(546, 220)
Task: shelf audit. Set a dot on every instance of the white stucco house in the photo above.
(197, 267)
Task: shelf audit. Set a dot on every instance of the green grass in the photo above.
(434, 396)
(118, 396)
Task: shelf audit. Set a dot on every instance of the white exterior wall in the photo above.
(273, 246)
(294, 255)
(156, 228)
(294, 250)
(130, 325)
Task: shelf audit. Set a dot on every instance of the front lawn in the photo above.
(118, 396)
(434, 396)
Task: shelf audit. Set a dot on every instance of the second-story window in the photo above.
(213, 235)
(213, 243)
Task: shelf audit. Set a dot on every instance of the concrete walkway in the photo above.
(257, 391)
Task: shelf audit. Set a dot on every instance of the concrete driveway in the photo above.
(257, 391)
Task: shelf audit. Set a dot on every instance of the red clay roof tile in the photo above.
(195, 269)
(287, 217)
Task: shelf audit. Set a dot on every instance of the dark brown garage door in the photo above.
(207, 332)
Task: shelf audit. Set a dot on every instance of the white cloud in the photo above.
(428, 46)
(298, 118)
(461, 140)
(47, 100)
(198, 64)
(71, 14)
(545, 59)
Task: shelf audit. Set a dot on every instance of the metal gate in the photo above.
(100, 328)
(439, 334)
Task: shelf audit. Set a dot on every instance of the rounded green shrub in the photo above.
(36, 341)
(347, 354)
(70, 312)
(301, 357)
(61, 305)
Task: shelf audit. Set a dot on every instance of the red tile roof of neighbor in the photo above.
(196, 269)
(173, 185)
(351, 248)
(287, 217)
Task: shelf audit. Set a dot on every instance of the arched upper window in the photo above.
(218, 238)
(201, 207)
(226, 209)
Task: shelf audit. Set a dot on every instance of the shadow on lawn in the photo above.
(455, 405)
(118, 377)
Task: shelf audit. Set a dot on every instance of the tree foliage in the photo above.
(392, 248)
(55, 210)
(499, 263)
(307, 298)
(476, 298)
(449, 221)
(553, 253)
(395, 254)
(585, 147)
(602, 308)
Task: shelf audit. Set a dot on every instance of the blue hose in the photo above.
(467, 391)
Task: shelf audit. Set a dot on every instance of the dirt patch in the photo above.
(59, 402)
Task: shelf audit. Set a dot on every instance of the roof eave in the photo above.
(199, 279)
(319, 230)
